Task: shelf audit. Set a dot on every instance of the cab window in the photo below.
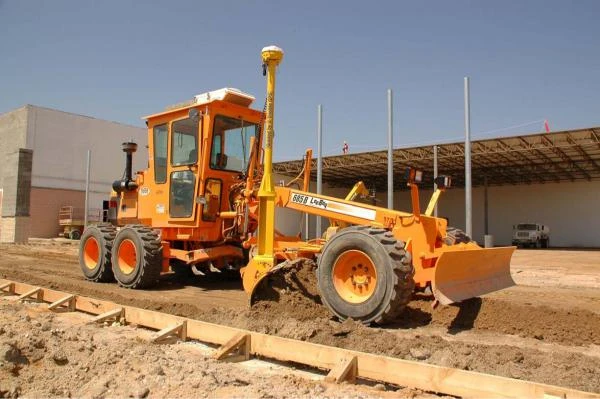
(231, 143)
(160, 153)
(184, 142)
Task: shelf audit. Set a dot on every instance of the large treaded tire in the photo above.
(394, 268)
(103, 234)
(456, 236)
(148, 257)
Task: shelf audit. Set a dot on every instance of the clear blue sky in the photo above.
(120, 60)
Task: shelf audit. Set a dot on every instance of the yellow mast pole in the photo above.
(265, 258)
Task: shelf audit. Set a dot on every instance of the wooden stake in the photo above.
(178, 329)
(69, 298)
(115, 313)
(345, 370)
(236, 349)
(9, 285)
(36, 291)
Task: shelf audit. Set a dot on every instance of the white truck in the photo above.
(531, 235)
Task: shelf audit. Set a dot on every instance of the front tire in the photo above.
(95, 249)
(137, 257)
(365, 273)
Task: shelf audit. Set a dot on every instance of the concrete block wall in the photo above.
(15, 229)
(13, 134)
(16, 192)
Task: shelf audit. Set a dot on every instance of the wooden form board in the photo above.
(368, 366)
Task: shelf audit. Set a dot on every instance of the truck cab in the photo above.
(534, 235)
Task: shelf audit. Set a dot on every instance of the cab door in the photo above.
(183, 180)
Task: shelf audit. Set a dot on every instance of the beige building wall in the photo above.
(60, 142)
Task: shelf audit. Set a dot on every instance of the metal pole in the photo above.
(468, 193)
(435, 174)
(319, 163)
(485, 206)
(306, 226)
(87, 189)
(390, 177)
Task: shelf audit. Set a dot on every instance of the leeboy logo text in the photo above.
(308, 200)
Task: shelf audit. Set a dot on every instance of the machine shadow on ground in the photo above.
(208, 283)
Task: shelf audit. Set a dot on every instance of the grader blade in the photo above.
(254, 274)
(469, 273)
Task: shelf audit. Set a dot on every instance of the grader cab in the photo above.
(207, 202)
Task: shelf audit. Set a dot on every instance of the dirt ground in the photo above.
(545, 329)
(60, 355)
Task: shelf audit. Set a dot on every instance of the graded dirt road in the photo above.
(546, 329)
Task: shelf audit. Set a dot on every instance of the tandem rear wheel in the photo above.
(137, 257)
(95, 249)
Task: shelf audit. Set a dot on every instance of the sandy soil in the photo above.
(547, 329)
(60, 355)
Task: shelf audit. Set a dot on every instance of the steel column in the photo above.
(318, 231)
(87, 189)
(390, 160)
(485, 206)
(468, 191)
(435, 174)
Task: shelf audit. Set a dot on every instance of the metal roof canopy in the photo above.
(569, 155)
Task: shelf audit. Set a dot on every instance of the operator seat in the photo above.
(193, 156)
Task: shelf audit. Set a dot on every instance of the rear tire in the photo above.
(137, 257)
(355, 250)
(95, 249)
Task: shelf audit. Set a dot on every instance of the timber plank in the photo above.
(69, 298)
(178, 329)
(114, 313)
(10, 285)
(346, 370)
(37, 291)
(238, 345)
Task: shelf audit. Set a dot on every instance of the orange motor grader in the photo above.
(207, 202)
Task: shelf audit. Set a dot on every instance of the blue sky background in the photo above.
(120, 60)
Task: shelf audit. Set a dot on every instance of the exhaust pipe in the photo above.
(127, 183)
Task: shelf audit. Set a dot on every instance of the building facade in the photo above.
(43, 159)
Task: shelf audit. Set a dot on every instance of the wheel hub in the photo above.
(91, 253)
(354, 276)
(127, 259)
